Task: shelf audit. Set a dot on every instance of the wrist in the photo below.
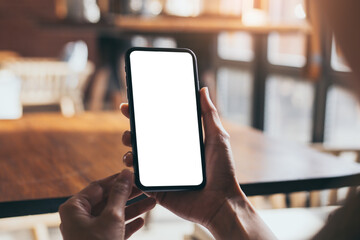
(225, 224)
(237, 219)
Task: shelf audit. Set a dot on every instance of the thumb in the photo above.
(212, 124)
(119, 194)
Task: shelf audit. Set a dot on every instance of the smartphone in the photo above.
(165, 119)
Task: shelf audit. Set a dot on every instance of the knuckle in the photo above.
(211, 112)
(120, 188)
(117, 216)
(222, 136)
(67, 207)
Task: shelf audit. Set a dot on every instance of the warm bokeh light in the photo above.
(184, 8)
(255, 17)
(299, 11)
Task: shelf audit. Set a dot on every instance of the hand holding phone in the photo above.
(201, 206)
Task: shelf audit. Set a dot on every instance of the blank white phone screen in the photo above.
(166, 118)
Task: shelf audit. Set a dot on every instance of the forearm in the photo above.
(237, 219)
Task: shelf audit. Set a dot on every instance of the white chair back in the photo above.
(48, 81)
(10, 105)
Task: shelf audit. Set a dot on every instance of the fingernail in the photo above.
(207, 92)
(126, 156)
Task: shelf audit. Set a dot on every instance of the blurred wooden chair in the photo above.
(34, 227)
(50, 81)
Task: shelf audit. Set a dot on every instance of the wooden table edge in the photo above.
(51, 205)
(273, 187)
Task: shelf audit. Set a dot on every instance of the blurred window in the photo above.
(287, 49)
(236, 46)
(233, 7)
(146, 7)
(160, 42)
(164, 42)
(288, 108)
(139, 41)
(287, 11)
(136, 6)
(234, 95)
(153, 7)
(338, 62)
(183, 8)
(342, 118)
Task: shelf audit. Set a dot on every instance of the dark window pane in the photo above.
(287, 11)
(288, 108)
(236, 46)
(342, 119)
(234, 95)
(164, 42)
(287, 49)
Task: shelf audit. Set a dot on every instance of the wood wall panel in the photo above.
(22, 31)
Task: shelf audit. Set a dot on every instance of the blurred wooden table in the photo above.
(44, 158)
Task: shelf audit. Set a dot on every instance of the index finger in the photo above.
(120, 193)
(87, 198)
(97, 190)
(124, 107)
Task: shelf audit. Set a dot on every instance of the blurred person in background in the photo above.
(221, 206)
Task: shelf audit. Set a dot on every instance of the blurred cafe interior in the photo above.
(273, 69)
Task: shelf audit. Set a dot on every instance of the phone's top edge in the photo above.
(151, 49)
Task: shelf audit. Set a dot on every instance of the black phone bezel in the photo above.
(133, 127)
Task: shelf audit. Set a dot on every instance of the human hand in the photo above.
(99, 211)
(201, 206)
